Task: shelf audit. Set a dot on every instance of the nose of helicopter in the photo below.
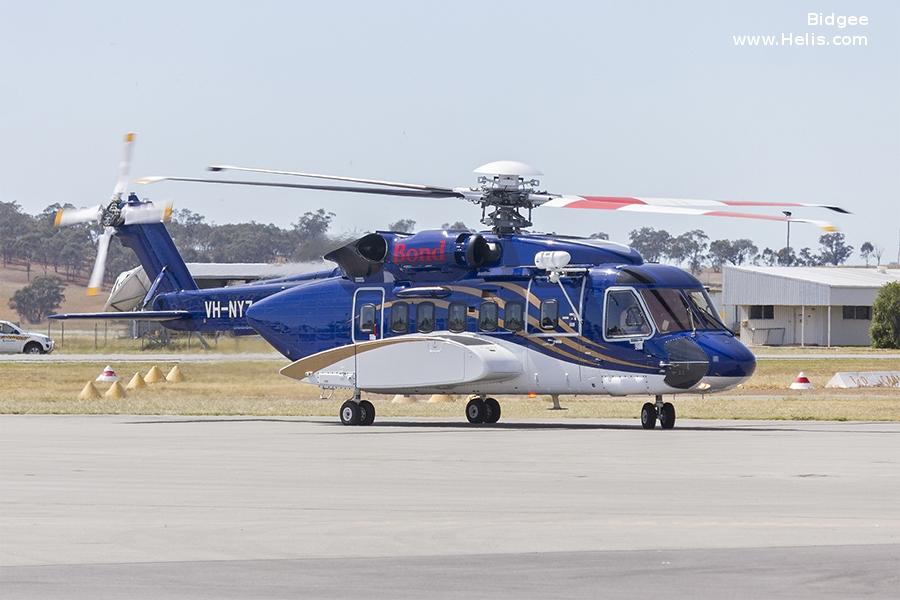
(730, 361)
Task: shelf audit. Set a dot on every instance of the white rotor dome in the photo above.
(508, 167)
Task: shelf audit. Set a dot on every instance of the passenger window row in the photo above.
(457, 314)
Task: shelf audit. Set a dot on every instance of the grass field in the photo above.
(256, 388)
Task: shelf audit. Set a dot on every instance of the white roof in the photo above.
(804, 285)
(833, 276)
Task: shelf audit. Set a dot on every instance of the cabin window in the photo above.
(766, 311)
(456, 317)
(624, 315)
(549, 314)
(862, 313)
(515, 316)
(400, 317)
(425, 317)
(487, 316)
(367, 318)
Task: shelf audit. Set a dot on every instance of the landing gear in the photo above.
(350, 413)
(357, 412)
(483, 410)
(648, 416)
(492, 410)
(664, 411)
(368, 412)
(667, 416)
(475, 410)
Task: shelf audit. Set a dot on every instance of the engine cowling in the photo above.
(435, 249)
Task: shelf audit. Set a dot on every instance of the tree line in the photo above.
(695, 250)
(32, 240)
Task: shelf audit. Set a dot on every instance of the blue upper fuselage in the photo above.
(608, 311)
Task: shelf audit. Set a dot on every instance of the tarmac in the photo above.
(107, 357)
(180, 507)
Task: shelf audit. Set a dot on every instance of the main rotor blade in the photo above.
(96, 279)
(397, 184)
(70, 216)
(584, 202)
(124, 166)
(424, 193)
(690, 202)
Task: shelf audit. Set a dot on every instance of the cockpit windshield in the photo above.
(676, 310)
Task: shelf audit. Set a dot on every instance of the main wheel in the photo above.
(475, 410)
(667, 416)
(350, 413)
(33, 348)
(648, 416)
(367, 410)
(491, 410)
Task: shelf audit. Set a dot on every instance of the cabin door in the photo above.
(368, 314)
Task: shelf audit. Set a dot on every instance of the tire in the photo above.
(475, 410)
(33, 348)
(367, 410)
(648, 416)
(491, 410)
(350, 413)
(667, 416)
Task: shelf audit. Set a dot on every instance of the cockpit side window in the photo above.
(669, 309)
(624, 315)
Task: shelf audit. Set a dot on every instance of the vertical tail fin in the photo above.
(156, 250)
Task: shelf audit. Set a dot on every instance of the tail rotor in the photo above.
(114, 214)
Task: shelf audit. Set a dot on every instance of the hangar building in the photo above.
(804, 306)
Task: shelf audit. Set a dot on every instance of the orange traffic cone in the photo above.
(154, 375)
(89, 392)
(175, 375)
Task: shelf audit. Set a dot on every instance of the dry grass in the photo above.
(14, 277)
(82, 341)
(256, 388)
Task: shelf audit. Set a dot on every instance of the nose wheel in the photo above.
(663, 411)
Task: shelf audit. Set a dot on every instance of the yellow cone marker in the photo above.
(115, 391)
(403, 399)
(89, 392)
(154, 375)
(137, 382)
(175, 375)
(440, 398)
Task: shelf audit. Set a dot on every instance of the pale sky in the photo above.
(607, 98)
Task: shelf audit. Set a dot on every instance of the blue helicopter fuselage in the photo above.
(606, 323)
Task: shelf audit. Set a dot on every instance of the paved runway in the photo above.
(142, 357)
(142, 507)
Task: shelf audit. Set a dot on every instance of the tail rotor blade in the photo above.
(96, 279)
(124, 166)
(71, 216)
(147, 213)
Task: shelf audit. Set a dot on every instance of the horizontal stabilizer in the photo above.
(133, 315)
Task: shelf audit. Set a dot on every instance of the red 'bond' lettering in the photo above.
(421, 255)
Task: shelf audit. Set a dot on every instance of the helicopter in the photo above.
(502, 311)
(172, 298)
